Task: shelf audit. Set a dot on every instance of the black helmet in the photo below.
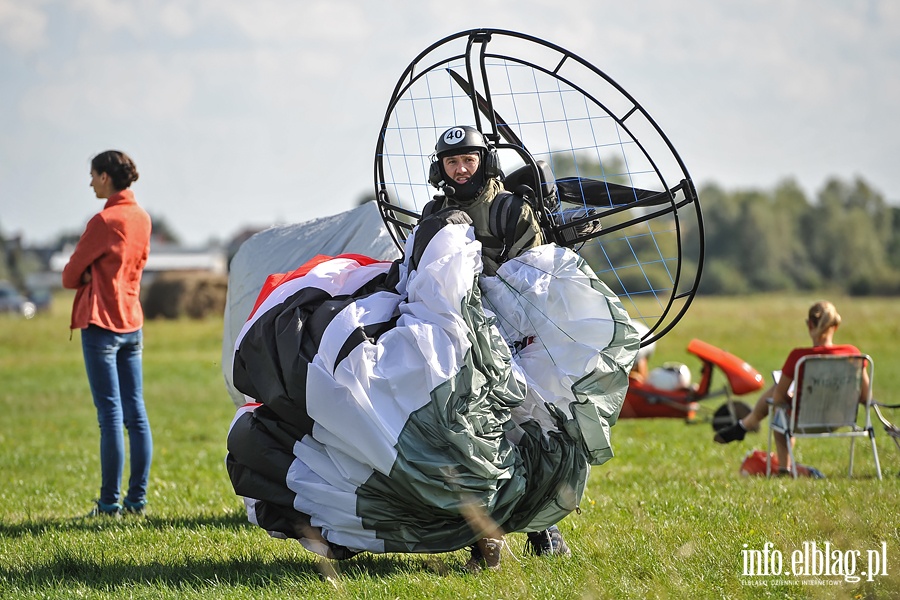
(460, 140)
(463, 139)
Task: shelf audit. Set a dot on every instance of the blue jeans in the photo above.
(113, 364)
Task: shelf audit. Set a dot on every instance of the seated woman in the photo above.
(822, 322)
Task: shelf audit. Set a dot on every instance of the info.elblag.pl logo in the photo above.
(815, 559)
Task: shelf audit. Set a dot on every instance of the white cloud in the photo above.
(90, 88)
(275, 22)
(23, 27)
(111, 15)
(176, 20)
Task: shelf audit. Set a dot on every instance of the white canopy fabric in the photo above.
(283, 248)
(392, 397)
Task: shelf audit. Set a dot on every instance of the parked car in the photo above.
(42, 298)
(11, 301)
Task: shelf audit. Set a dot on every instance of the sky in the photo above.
(250, 113)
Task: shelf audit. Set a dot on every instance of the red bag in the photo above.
(755, 464)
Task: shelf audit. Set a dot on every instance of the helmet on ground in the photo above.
(671, 376)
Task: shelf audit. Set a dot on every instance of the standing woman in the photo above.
(106, 269)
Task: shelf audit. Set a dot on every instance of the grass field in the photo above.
(669, 517)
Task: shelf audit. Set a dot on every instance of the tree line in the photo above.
(845, 240)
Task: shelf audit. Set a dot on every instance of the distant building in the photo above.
(164, 258)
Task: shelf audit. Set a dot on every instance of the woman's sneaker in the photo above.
(548, 542)
(134, 508)
(106, 510)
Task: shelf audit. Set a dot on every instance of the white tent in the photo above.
(283, 248)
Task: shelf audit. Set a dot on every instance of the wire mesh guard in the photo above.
(606, 180)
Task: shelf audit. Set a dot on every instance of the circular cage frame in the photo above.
(617, 104)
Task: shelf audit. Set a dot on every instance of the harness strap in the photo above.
(433, 206)
(505, 214)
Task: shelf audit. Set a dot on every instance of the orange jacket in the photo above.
(114, 249)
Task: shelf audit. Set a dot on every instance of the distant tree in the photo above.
(67, 238)
(569, 164)
(893, 245)
(849, 233)
(773, 253)
(758, 234)
(791, 208)
(721, 278)
(780, 241)
(768, 240)
(14, 262)
(4, 269)
(162, 231)
(722, 273)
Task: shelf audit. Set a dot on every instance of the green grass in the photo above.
(667, 518)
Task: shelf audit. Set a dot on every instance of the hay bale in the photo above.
(192, 294)
(208, 297)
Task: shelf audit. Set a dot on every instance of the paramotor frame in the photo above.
(602, 175)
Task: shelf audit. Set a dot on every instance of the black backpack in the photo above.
(503, 217)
